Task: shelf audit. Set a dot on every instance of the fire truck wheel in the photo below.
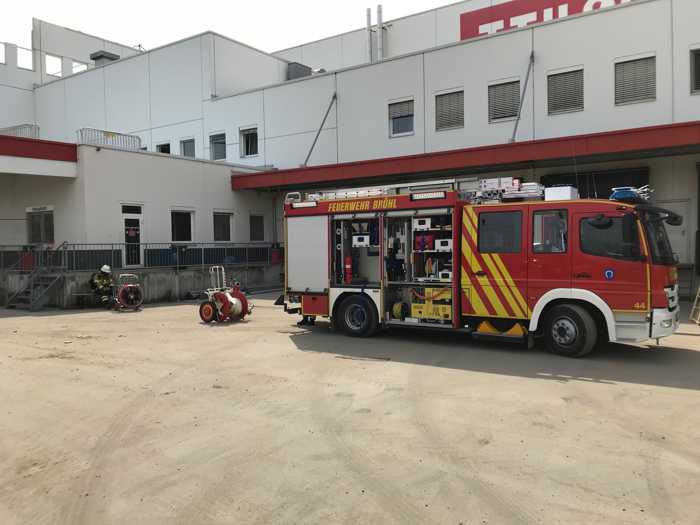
(570, 331)
(207, 311)
(357, 316)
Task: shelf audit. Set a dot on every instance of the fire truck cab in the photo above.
(501, 261)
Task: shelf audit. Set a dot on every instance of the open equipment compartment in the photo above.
(418, 268)
(356, 252)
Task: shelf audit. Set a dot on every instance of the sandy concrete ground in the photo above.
(155, 418)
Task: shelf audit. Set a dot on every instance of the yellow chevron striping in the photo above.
(503, 269)
(485, 284)
(475, 300)
(474, 297)
(500, 281)
(514, 287)
(502, 285)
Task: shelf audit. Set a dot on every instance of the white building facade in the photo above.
(472, 75)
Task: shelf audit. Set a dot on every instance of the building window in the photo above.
(401, 118)
(607, 237)
(78, 67)
(53, 65)
(449, 110)
(565, 92)
(131, 209)
(40, 226)
(181, 223)
(217, 146)
(257, 228)
(187, 148)
(504, 100)
(163, 148)
(222, 227)
(635, 81)
(25, 58)
(550, 231)
(695, 70)
(249, 142)
(500, 232)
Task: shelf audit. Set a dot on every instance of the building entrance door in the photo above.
(133, 249)
(132, 239)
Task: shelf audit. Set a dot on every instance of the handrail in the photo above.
(85, 257)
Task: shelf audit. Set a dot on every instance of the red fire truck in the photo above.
(576, 272)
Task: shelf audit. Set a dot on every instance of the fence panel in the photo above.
(89, 257)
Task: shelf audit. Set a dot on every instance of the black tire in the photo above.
(357, 316)
(207, 311)
(570, 331)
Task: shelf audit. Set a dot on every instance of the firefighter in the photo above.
(102, 284)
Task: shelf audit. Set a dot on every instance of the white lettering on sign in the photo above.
(522, 13)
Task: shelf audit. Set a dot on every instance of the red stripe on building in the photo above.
(37, 149)
(575, 147)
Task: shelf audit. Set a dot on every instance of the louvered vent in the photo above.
(696, 69)
(635, 80)
(504, 100)
(449, 110)
(565, 92)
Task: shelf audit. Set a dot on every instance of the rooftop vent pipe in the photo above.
(380, 34)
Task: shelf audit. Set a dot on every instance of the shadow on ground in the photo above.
(650, 365)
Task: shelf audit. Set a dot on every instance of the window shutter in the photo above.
(504, 100)
(449, 110)
(696, 70)
(401, 109)
(565, 92)
(635, 80)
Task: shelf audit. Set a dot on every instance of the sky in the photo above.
(270, 25)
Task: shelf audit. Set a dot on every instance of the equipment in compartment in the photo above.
(431, 304)
(443, 245)
(432, 248)
(424, 242)
(360, 241)
(445, 275)
(421, 224)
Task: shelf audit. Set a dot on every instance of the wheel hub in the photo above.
(355, 317)
(564, 331)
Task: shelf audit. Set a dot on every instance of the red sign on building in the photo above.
(521, 13)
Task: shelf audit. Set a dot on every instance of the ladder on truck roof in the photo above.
(372, 191)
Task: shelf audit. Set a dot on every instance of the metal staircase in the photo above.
(48, 272)
(35, 293)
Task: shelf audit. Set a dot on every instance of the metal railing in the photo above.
(89, 257)
(100, 137)
(30, 131)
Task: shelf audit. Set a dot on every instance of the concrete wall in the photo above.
(401, 36)
(16, 95)
(159, 285)
(87, 208)
(65, 195)
(358, 128)
(162, 184)
(157, 95)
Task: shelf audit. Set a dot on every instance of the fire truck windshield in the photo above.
(659, 244)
